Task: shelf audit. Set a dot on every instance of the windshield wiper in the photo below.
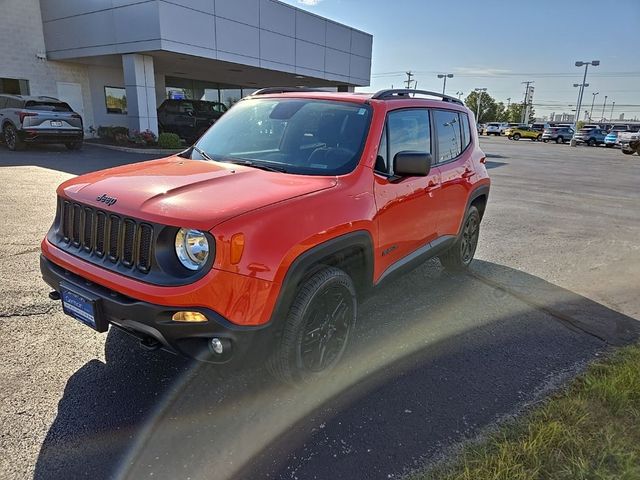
(202, 153)
(260, 165)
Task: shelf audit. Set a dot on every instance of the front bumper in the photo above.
(152, 323)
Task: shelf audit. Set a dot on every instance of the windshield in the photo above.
(312, 137)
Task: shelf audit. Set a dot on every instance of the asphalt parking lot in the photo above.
(436, 358)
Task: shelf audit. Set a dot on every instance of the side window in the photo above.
(449, 134)
(466, 134)
(382, 165)
(408, 130)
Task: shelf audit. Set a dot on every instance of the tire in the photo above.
(11, 139)
(537, 139)
(460, 254)
(591, 142)
(516, 136)
(560, 140)
(329, 290)
(73, 145)
(627, 152)
(608, 145)
(545, 140)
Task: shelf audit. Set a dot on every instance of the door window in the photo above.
(408, 130)
(449, 134)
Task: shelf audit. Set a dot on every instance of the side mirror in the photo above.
(411, 164)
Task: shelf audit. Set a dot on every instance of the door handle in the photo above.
(431, 186)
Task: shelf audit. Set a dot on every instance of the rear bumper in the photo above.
(152, 323)
(50, 136)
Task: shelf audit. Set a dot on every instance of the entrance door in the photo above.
(72, 94)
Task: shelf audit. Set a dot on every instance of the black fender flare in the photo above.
(313, 257)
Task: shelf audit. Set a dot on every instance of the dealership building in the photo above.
(115, 61)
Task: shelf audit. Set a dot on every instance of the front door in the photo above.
(407, 217)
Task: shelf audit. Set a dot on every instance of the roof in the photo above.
(30, 97)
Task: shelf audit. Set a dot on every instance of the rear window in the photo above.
(48, 106)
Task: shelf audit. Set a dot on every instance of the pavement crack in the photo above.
(27, 314)
(566, 320)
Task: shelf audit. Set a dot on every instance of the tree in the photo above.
(490, 110)
(514, 113)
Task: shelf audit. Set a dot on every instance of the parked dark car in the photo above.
(27, 119)
(557, 134)
(188, 119)
(590, 136)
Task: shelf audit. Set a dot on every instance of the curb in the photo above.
(153, 151)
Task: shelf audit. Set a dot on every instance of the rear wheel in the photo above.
(538, 138)
(591, 142)
(461, 253)
(627, 152)
(559, 140)
(11, 138)
(317, 329)
(516, 136)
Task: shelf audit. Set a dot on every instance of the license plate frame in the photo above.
(83, 306)
(56, 123)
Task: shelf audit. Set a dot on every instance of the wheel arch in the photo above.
(351, 252)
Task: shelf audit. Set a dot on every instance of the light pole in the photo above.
(592, 102)
(577, 117)
(459, 94)
(603, 106)
(611, 115)
(445, 76)
(478, 100)
(595, 63)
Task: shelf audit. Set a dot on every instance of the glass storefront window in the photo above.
(115, 100)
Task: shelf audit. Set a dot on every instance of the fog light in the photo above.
(216, 346)
(188, 317)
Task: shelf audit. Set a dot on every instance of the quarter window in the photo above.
(408, 130)
(449, 134)
(466, 134)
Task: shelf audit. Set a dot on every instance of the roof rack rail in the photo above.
(402, 92)
(272, 90)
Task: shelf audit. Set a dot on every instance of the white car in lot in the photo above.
(495, 128)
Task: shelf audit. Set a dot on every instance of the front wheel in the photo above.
(460, 254)
(591, 142)
(11, 138)
(537, 139)
(516, 136)
(559, 140)
(317, 328)
(627, 152)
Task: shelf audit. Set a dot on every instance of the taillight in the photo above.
(21, 115)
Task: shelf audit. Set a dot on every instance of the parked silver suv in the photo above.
(26, 120)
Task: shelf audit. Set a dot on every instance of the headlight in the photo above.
(192, 248)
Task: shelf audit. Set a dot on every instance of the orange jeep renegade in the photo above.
(260, 239)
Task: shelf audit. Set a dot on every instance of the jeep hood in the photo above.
(190, 193)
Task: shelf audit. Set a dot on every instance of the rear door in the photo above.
(452, 137)
(407, 213)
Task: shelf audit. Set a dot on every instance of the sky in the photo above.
(499, 44)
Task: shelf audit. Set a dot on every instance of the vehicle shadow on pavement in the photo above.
(435, 358)
(57, 157)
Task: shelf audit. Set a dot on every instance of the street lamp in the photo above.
(582, 86)
(445, 76)
(592, 102)
(611, 115)
(603, 106)
(478, 100)
(595, 63)
(459, 94)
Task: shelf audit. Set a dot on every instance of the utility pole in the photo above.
(603, 106)
(592, 102)
(408, 81)
(508, 103)
(445, 76)
(526, 101)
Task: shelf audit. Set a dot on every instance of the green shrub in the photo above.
(169, 140)
(110, 133)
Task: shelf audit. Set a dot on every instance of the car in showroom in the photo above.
(522, 131)
(590, 136)
(261, 239)
(557, 134)
(26, 120)
(188, 119)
